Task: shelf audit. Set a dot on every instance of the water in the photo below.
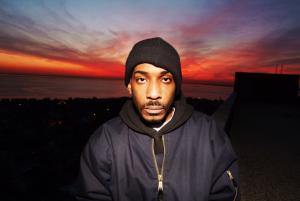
(39, 87)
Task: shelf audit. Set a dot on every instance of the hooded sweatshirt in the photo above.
(131, 117)
(121, 159)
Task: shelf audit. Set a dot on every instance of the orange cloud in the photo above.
(18, 63)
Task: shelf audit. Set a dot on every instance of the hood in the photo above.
(132, 119)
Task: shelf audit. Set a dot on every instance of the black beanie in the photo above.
(157, 52)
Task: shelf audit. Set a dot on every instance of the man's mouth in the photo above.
(154, 109)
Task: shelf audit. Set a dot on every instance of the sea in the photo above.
(13, 86)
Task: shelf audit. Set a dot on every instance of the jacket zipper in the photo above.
(160, 174)
(233, 182)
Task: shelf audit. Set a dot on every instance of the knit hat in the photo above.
(158, 52)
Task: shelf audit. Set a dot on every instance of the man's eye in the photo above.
(166, 79)
(141, 80)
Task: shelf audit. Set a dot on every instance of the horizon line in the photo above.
(189, 81)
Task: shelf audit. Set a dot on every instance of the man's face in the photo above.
(153, 91)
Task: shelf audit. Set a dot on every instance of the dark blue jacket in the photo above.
(119, 163)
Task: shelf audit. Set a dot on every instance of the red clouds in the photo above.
(214, 40)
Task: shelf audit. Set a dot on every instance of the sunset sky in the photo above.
(92, 38)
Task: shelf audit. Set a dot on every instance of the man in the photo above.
(158, 148)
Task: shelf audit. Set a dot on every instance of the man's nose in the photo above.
(153, 91)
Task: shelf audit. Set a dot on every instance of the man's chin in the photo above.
(154, 120)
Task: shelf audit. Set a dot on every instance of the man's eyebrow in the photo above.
(141, 72)
(164, 72)
(145, 73)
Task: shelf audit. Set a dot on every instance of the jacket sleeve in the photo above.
(95, 165)
(225, 186)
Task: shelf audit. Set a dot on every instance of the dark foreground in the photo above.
(266, 138)
(41, 142)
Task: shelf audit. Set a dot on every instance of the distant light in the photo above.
(94, 114)
(107, 109)
(20, 104)
(61, 102)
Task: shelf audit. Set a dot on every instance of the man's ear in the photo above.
(129, 88)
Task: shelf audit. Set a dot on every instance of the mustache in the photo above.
(153, 104)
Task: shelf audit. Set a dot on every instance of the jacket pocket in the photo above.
(225, 188)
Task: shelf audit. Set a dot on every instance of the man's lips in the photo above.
(153, 109)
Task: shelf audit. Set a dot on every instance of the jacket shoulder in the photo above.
(111, 127)
(114, 123)
(201, 118)
(207, 124)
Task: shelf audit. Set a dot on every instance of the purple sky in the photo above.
(92, 38)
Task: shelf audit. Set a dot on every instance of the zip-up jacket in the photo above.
(189, 159)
